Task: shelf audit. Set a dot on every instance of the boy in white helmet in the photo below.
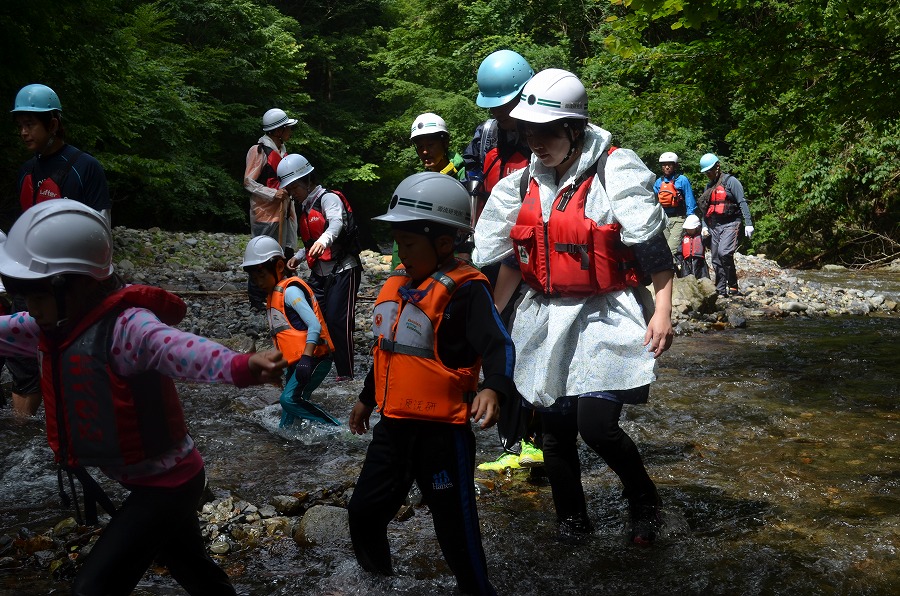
(108, 355)
(579, 220)
(272, 213)
(435, 328)
(297, 327)
(693, 248)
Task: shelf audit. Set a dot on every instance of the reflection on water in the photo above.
(775, 449)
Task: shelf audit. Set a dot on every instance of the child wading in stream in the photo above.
(297, 327)
(435, 328)
(108, 356)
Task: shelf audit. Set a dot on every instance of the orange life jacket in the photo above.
(668, 195)
(410, 379)
(96, 417)
(288, 330)
(570, 255)
(721, 202)
(692, 246)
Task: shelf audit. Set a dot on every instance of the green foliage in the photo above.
(793, 96)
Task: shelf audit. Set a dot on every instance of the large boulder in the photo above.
(323, 524)
(694, 294)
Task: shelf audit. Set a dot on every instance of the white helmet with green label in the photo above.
(552, 94)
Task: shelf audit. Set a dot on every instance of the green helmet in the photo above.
(36, 98)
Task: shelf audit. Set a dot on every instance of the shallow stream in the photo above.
(775, 449)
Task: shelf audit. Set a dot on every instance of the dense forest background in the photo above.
(799, 99)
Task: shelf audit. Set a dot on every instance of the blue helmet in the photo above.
(708, 161)
(36, 98)
(501, 77)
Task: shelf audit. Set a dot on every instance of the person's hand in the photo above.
(704, 232)
(659, 333)
(359, 418)
(748, 231)
(316, 250)
(295, 260)
(486, 408)
(304, 370)
(281, 195)
(267, 366)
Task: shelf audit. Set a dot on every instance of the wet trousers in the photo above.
(336, 295)
(439, 457)
(724, 236)
(597, 420)
(153, 523)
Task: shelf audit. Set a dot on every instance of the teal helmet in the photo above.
(708, 161)
(36, 98)
(501, 77)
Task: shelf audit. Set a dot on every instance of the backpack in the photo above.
(349, 237)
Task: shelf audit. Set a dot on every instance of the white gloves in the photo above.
(748, 231)
(704, 232)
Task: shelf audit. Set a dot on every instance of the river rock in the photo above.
(287, 505)
(793, 306)
(699, 294)
(323, 524)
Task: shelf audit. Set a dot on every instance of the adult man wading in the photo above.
(723, 204)
(271, 210)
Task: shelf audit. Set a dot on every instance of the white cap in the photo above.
(691, 222)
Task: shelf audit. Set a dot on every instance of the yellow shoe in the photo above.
(507, 460)
(531, 456)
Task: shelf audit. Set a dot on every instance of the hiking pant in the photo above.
(336, 295)
(597, 420)
(440, 458)
(724, 236)
(153, 523)
(295, 399)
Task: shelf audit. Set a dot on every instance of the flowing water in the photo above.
(775, 449)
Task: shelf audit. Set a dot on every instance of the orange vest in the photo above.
(570, 255)
(288, 330)
(668, 195)
(410, 379)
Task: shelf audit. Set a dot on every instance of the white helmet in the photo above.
(260, 249)
(668, 157)
(276, 118)
(292, 167)
(427, 124)
(552, 94)
(55, 237)
(691, 222)
(431, 196)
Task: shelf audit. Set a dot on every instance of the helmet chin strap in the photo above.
(58, 283)
(572, 146)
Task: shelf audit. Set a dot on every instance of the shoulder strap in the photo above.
(488, 139)
(59, 176)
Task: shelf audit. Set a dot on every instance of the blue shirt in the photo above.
(681, 184)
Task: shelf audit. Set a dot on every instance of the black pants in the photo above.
(336, 295)
(153, 523)
(597, 420)
(441, 459)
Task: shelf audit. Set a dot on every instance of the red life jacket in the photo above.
(96, 417)
(37, 191)
(692, 246)
(721, 202)
(268, 175)
(313, 223)
(410, 379)
(668, 195)
(570, 255)
(497, 167)
(286, 327)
